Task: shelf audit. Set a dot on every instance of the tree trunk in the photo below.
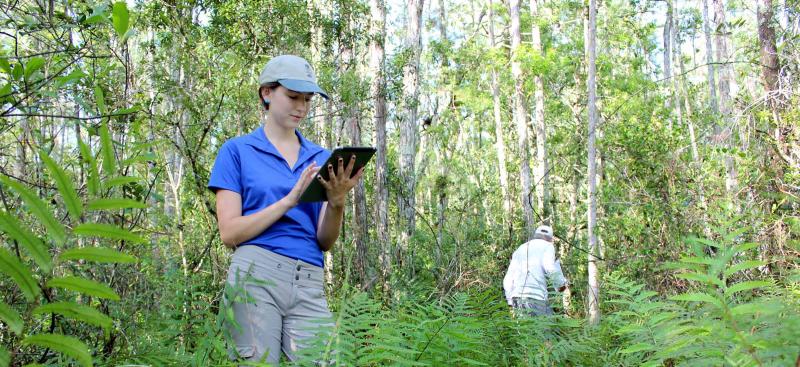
(593, 286)
(667, 36)
(500, 145)
(725, 75)
(770, 67)
(711, 75)
(520, 120)
(676, 59)
(542, 168)
(377, 91)
(409, 131)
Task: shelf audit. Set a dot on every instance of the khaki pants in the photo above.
(282, 304)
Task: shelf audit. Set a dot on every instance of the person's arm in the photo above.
(235, 228)
(332, 212)
(553, 268)
(508, 280)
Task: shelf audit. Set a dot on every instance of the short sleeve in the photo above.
(226, 174)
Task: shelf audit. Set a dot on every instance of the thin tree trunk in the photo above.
(500, 145)
(667, 36)
(542, 168)
(726, 108)
(377, 91)
(711, 75)
(520, 119)
(409, 131)
(676, 58)
(593, 279)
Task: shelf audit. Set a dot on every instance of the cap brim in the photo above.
(303, 86)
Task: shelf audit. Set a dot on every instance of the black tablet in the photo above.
(315, 191)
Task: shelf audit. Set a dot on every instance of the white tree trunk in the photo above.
(711, 75)
(726, 109)
(542, 169)
(593, 286)
(500, 145)
(520, 120)
(409, 131)
(377, 91)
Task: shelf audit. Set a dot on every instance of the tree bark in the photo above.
(725, 75)
(667, 36)
(711, 75)
(542, 167)
(409, 131)
(377, 91)
(770, 68)
(593, 279)
(520, 120)
(500, 145)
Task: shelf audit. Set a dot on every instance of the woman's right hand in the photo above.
(305, 179)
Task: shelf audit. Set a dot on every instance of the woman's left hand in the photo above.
(339, 185)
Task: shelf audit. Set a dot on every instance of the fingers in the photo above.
(350, 166)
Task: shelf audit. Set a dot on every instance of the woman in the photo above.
(258, 179)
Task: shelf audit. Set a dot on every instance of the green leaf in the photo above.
(11, 318)
(746, 286)
(66, 345)
(107, 231)
(747, 308)
(745, 246)
(100, 100)
(20, 274)
(121, 180)
(76, 311)
(116, 203)
(75, 76)
(17, 71)
(700, 277)
(36, 248)
(41, 210)
(637, 348)
(749, 264)
(64, 185)
(698, 297)
(6, 92)
(5, 66)
(119, 17)
(97, 254)
(93, 182)
(5, 358)
(34, 64)
(99, 14)
(85, 286)
(107, 147)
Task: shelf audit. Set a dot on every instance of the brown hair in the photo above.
(270, 85)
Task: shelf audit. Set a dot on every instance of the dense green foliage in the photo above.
(111, 114)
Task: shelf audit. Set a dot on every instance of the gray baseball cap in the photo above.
(292, 72)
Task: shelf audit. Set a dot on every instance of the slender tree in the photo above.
(721, 42)
(593, 296)
(711, 75)
(409, 132)
(542, 169)
(500, 144)
(378, 94)
(520, 118)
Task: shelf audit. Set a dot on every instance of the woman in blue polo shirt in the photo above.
(258, 179)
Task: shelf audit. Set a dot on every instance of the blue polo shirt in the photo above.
(251, 166)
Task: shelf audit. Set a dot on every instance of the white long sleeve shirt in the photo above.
(532, 264)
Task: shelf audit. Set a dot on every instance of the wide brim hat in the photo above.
(292, 72)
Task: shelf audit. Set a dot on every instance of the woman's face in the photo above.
(287, 107)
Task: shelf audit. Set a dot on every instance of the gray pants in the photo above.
(280, 303)
(531, 306)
